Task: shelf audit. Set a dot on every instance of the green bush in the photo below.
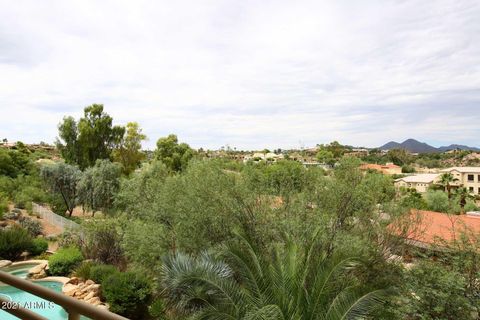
(157, 309)
(99, 273)
(14, 241)
(3, 205)
(127, 293)
(84, 270)
(64, 261)
(470, 206)
(39, 246)
(32, 226)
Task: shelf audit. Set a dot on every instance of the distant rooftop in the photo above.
(420, 178)
(463, 169)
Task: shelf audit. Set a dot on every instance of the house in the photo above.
(425, 228)
(468, 177)
(258, 156)
(419, 182)
(388, 168)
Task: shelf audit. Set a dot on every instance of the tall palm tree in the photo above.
(463, 195)
(446, 180)
(296, 282)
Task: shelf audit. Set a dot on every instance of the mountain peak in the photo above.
(416, 146)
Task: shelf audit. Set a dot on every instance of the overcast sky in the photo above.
(249, 74)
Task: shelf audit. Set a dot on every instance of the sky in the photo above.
(248, 74)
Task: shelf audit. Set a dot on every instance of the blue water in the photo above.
(20, 271)
(38, 305)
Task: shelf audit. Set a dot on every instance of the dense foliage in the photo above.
(13, 242)
(127, 293)
(64, 261)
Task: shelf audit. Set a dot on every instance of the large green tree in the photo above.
(99, 185)
(61, 179)
(129, 152)
(93, 137)
(175, 155)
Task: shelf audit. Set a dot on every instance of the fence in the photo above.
(54, 218)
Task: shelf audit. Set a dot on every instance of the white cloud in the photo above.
(245, 73)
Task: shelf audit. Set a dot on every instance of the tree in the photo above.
(62, 179)
(93, 137)
(400, 157)
(174, 155)
(99, 185)
(297, 282)
(325, 156)
(446, 180)
(437, 201)
(70, 149)
(463, 194)
(129, 152)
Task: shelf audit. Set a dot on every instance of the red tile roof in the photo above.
(431, 226)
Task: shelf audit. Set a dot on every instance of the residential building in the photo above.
(388, 168)
(258, 156)
(419, 182)
(468, 177)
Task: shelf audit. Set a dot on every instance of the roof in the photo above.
(432, 226)
(463, 169)
(419, 178)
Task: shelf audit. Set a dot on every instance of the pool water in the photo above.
(20, 271)
(38, 305)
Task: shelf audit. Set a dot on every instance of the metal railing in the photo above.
(53, 218)
(75, 308)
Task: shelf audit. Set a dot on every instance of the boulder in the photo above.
(102, 306)
(89, 282)
(89, 296)
(68, 287)
(73, 280)
(95, 301)
(5, 263)
(71, 292)
(40, 275)
(38, 268)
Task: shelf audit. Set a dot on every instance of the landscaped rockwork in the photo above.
(87, 291)
(39, 271)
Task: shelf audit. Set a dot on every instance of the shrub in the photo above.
(99, 273)
(32, 226)
(84, 270)
(437, 201)
(13, 242)
(157, 309)
(3, 205)
(127, 293)
(39, 246)
(25, 196)
(470, 206)
(64, 261)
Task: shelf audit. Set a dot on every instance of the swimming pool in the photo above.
(20, 270)
(38, 305)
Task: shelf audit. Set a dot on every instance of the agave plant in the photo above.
(293, 282)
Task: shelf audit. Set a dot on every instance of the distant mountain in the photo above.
(415, 146)
(458, 147)
(390, 145)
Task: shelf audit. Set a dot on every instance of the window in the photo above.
(471, 177)
(479, 178)
(471, 189)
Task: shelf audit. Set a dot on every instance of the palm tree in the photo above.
(463, 195)
(295, 282)
(446, 180)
